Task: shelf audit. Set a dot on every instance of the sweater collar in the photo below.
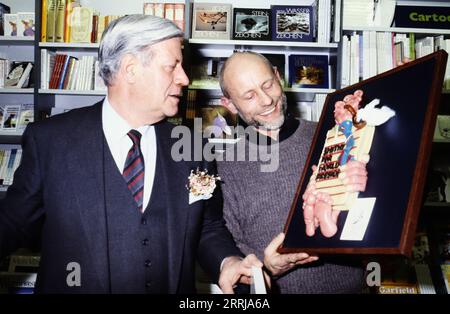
(288, 128)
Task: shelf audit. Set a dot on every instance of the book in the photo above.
(51, 20)
(205, 72)
(60, 21)
(10, 117)
(81, 22)
(178, 17)
(251, 24)
(308, 71)
(18, 72)
(26, 116)
(25, 24)
(10, 24)
(217, 121)
(294, 23)
(4, 9)
(44, 5)
(211, 21)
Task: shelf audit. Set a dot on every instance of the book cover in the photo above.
(217, 121)
(10, 24)
(81, 22)
(293, 23)
(60, 21)
(26, 116)
(211, 21)
(4, 9)
(10, 117)
(51, 20)
(205, 72)
(308, 71)
(25, 24)
(17, 71)
(251, 24)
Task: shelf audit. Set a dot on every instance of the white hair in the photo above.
(131, 34)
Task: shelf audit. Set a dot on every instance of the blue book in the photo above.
(309, 71)
(294, 23)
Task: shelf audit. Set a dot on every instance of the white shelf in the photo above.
(72, 92)
(399, 30)
(203, 87)
(16, 90)
(207, 41)
(11, 133)
(16, 39)
(69, 45)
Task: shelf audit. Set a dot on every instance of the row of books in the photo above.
(20, 24)
(62, 71)
(15, 117)
(9, 161)
(303, 71)
(16, 74)
(68, 21)
(170, 11)
(280, 23)
(370, 53)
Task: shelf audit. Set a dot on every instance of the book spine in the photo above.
(51, 20)
(44, 21)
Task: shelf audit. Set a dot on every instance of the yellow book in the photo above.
(81, 22)
(60, 21)
(44, 21)
(70, 4)
(100, 27)
(51, 20)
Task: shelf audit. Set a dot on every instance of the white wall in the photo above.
(19, 5)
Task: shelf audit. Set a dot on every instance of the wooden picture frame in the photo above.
(399, 157)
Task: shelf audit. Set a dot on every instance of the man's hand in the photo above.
(354, 175)
(236, 269)
(277, 264)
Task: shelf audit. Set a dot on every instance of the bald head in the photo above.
(239, 61)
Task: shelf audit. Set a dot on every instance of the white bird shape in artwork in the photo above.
(374, 116)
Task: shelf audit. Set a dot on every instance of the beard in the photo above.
(272, 125)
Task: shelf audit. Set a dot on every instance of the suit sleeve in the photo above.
(21, 211)
(216, 242)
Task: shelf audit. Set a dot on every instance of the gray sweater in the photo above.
(256, 206)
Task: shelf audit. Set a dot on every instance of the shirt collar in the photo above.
(116, 126)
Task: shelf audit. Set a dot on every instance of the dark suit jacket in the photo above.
(59, 194)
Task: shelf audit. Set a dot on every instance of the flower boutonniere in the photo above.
(201, 185)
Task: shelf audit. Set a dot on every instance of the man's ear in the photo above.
(129, 67)
(227, 103)
(277, 74)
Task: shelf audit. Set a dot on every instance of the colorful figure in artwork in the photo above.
(329, 190)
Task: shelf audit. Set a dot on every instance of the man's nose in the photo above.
(266, 100)
(181, 77)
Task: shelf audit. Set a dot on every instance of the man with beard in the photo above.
(256, 203)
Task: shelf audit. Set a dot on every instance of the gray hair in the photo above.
(131, 34)
(227, 62)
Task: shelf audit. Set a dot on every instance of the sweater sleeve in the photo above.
(232, 213)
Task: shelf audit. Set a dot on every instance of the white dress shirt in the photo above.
(115, 129)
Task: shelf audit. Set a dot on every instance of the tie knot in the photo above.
(135, 136)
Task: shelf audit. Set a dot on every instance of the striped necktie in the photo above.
(133, 172)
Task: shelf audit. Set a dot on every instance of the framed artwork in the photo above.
(393, 117)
